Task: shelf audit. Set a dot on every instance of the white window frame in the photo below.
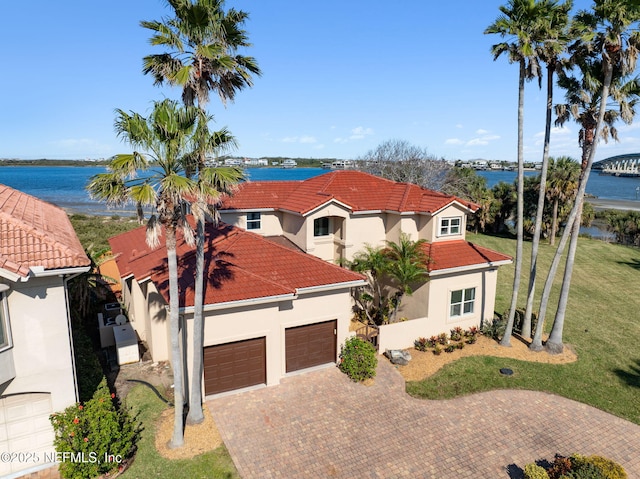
(328, 227)
(467, 301)
(255, 221)
(446, 227)
(4, 323)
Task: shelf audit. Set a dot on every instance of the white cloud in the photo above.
(299, 139)
(453, 141)
(459, 125)
(340, 140)
(360, 132)
(477, 141)
(481, 132)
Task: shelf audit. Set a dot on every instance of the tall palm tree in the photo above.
(562, 183)
(606, 55)
(519, 22)
(159, 143)
(551, 41)
(203, 42)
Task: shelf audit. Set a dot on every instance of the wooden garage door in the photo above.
(235, 365)
(310, 345)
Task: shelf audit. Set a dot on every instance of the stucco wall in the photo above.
(41, 342)
(430, 305)
(433, 230)
(270, 221)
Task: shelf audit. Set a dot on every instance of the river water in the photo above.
(65, 185)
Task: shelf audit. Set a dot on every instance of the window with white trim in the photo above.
(4, 325)
(462, 302)
(321, 226)
(254, 221)
(450, 226)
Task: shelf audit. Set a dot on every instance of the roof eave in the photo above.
(241, 302)
(332, 286)
(471, 267)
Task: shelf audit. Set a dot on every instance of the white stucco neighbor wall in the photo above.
(41, 340)
(270, 221)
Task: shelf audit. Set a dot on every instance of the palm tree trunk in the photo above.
(506, 339)
(526, 323)
(554, 223)
(573, 217)
(174, 330)
(196, 415)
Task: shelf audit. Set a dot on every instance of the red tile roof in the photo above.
(36, 233)
(359, 191)
(460, 253)
(241, 265)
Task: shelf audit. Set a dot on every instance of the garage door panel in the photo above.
(234, 365)
(310, 345)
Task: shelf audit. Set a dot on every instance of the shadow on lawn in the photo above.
(632, 376)
(634, 263)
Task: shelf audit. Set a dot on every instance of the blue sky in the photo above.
(339, 78)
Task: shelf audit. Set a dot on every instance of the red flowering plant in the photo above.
(92, 431)
(358, 359)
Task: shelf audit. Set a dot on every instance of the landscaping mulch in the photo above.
(424, 363)
(198, 438)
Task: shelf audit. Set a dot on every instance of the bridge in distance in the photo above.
(620, 165)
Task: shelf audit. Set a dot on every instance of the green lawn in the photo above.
(602, 325)
(95, 231)
(148, 463)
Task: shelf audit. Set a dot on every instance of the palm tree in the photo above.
(562, 183)
(160, 140)
(519, 22)
(605, 54)
(203, 41)
(407, 264)
(373, 263)
(551, 40)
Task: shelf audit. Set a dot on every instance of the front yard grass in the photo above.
(602, 325)
(148, 463)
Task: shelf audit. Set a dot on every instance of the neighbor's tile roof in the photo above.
(36, 233)
(460, 253)
(359, 191)
(241, 265)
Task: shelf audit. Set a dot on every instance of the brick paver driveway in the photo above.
(320, 424)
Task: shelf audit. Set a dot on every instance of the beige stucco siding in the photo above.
(270, 221)
(41, 343)
(294, 229)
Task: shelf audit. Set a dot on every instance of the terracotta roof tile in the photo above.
(460, 253)
(36, 233)
(359, 191)
(241, 265)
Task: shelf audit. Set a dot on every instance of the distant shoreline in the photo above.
(610, 204)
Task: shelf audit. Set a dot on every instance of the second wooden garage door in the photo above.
(310, 345)
(234, 365)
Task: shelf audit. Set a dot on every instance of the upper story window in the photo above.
(462, 302)
(450, 226)
(253, 221)
(4, 324)
(321, 227)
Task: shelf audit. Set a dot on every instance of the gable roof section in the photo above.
(359, 191)
(451, 256)
(241, 266)
(34, 233)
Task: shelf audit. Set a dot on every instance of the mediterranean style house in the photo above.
(39, 253)
(275, 302)
(335, 215)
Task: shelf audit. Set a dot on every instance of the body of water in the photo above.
(65, 185)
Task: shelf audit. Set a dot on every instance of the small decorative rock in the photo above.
(398, 356)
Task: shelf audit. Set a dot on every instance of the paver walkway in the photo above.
(319, 424)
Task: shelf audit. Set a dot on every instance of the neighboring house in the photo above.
(39, 253)
(335, 215)
(270, 309)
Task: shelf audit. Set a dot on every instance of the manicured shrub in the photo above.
(456, 333)
(358, 359)
(450, 348)
(437, 350)
(533, 471)
(99, 434)
(494, 329)
(609, 469)
(421, 344)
